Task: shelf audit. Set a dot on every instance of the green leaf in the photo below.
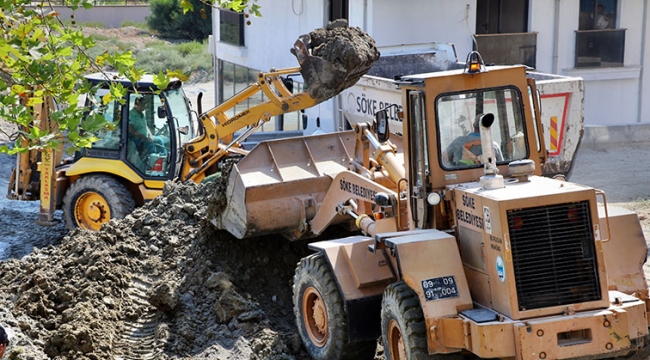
(255, 10)
(117, 90)
(177, 74)
(161, 80)
(186, 6)
(73, 136)
(34, 101)
(93, 122)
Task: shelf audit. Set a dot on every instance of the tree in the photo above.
(41, 57)
(170, 21)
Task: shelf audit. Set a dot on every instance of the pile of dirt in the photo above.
(340, 55)
(159, 284)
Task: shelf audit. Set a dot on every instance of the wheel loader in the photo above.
(472, 255)
(155, 136)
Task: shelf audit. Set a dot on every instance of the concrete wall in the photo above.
(421, 21)
(111, 16)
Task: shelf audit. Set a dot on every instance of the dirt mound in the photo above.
(159, 284)
(340, 55)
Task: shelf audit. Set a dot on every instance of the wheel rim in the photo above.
(396, 341)
(91, 210)
(315, 316)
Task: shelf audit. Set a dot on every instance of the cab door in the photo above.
(418, 158)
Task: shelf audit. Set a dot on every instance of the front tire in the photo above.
(320, 316)
(403, 330)
(94, 200)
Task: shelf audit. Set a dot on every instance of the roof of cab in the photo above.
(144, 84)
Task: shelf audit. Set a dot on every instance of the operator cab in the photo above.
(147, 128)
(442, 127)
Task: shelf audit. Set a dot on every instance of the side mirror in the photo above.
(162, 113)
(381, 123)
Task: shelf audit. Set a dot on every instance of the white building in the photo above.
(555, 36)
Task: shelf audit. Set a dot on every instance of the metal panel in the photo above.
(553, 255)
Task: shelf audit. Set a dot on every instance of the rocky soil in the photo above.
(340, 55)
(160, 284)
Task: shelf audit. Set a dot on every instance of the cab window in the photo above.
(148, 142)
(109, 138)
(458, 117)
(181, 114)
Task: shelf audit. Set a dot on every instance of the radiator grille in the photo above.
(553, 255)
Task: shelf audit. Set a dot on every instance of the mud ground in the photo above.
(160, 284)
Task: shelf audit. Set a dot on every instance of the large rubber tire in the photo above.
(403, 330)
(94, 200)
(320, 316)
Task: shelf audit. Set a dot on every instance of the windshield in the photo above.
(457, 120)
(181, 112)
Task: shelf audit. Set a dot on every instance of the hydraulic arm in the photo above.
(218, 128)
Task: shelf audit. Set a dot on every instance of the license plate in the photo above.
(440, 288)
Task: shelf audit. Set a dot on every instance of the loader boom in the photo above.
(218, 128)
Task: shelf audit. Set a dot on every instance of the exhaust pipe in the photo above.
(491, 180)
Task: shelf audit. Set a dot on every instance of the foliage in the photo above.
(135, 24)
(245, 6)
(188, 57)
(168, 19)
(42, 57)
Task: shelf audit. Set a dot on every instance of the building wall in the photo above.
(111, 16)
(421, 21)
(268, 39)
(613, 96)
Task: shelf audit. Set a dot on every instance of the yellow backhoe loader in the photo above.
(458, 246)
(156, 138)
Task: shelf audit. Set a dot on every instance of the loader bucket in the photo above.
(278, 187)
(334, 58)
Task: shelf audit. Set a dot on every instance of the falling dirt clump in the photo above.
(340, 56)
(159, 284)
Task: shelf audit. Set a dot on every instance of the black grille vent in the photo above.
(553, 255)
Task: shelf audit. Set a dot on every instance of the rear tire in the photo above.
(94, 200)
(403, 330)
(320, 316)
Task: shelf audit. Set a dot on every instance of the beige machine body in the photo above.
(461, 247)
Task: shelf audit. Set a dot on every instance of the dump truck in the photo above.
(457, 246)
(561, 98)
(154, 135)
